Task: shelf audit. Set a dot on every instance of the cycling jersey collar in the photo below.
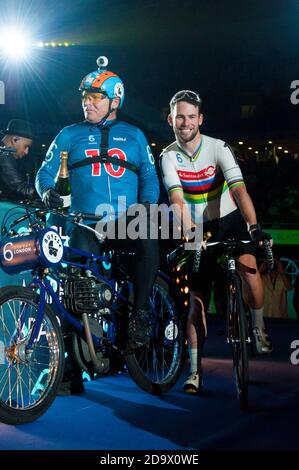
(106, 123)
(109, 123)
(197, 151)
(195, 155)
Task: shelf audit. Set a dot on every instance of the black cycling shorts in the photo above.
(231, 226)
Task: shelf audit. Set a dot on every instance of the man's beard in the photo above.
(186, 139)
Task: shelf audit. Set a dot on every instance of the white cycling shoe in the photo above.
(193, 384)
(262, 341)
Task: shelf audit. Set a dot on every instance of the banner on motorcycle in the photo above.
(26, 251)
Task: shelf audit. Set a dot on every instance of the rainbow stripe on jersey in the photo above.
(205, 185)
(205, 178)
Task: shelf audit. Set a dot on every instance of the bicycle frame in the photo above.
(236, 322)
(233, 277)
(69, 258)
(237, 332)
(97, 304)
(43, 284)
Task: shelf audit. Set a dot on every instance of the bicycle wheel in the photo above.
(157, 368)
(238, 335)
(28, 378)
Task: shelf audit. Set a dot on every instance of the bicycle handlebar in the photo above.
(174, 255)
(229, 242)
(38, 210)
(85, 216)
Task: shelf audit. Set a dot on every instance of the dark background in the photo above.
(234, 53)
(240, 56)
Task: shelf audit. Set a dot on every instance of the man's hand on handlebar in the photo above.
(189, 236)
(52, 199)
(257, 235)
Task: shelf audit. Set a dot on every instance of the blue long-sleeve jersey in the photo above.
(102, 183)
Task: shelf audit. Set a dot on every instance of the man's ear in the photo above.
(170, 120)
(115, 104)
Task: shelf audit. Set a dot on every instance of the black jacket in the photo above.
(13, 185)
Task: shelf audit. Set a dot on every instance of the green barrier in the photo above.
(284, 236)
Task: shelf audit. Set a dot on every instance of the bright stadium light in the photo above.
(14, 44)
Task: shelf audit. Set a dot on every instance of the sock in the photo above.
(195, 359)
(257, 317)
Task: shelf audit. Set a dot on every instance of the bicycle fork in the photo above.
(231, 336)
(232, 327)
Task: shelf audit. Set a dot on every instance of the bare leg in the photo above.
(253, 290)
(253, 294)
(196, 330)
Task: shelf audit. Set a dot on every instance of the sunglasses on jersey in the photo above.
(185, 94)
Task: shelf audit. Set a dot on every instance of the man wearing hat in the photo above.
(16, 140)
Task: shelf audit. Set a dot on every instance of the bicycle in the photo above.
(95, 297)
(237, 324)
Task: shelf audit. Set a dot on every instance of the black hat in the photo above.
(20, 128)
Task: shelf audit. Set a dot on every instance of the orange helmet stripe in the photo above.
(101, 78)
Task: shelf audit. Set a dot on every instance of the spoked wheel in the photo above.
(157, 368)
(238, 336)
(29, 378)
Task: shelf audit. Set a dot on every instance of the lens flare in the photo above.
(14, 44)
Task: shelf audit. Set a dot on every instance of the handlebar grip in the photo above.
(180, 255)
(269, 255)
(197, 253)
(196, 260)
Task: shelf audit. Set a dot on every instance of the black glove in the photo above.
(52, 199)
(257, 235)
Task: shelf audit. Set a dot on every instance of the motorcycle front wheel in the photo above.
(29, 378)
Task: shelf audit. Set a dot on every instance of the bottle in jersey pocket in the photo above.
(62, 185)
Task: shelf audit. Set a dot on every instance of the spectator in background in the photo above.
(17, 140)
(296, 295)
(276, 285)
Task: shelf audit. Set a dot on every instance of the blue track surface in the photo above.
(114, 413)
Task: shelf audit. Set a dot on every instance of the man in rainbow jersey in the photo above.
(205, 183)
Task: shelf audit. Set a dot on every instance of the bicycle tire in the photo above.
(157, 368)
(28, 379)
(238, 339)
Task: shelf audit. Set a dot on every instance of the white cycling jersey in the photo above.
(204, 178)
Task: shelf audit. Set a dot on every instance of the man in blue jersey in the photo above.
(98, 187)
(204, 181)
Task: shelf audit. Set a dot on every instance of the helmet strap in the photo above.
(110, 111)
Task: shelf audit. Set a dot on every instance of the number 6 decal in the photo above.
(7, 254)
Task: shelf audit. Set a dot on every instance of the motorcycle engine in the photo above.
(86, 294)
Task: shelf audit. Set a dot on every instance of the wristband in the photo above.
(254, 227)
